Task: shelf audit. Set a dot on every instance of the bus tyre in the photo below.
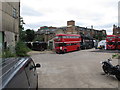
(78, 48)
(57, 52)
(64, 51)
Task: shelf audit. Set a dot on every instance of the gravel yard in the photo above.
(79, 69)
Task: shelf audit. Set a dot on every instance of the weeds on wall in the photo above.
(22, 49)
(7, 53)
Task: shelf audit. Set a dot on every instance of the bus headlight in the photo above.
(60, 48)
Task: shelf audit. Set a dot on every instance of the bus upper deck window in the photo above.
(56, 37)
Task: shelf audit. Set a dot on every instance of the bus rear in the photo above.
(111, 41)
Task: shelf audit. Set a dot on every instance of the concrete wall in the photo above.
(0, 16)
(1, 42)
(1, 36)
(119, 13)
(10, 23)
(9, 37)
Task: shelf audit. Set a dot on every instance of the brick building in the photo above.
(71, 28)
(116, 30)
(89, 32)
(46, 33)
(49, 32)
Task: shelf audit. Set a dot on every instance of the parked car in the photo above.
(19, 73)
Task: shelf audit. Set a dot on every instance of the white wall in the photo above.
(9, 37)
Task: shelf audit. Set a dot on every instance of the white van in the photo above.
(102, 44)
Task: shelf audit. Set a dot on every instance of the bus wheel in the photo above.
(65, 51)
(57, 52)
(78, 48)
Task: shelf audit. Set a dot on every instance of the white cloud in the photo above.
(98, 13)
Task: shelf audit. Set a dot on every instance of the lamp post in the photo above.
(46, 35)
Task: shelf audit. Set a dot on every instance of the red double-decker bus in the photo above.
(67, 42)
(111, 42)
(118, 42)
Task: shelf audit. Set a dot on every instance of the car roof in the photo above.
(111, 35)
(10, 66)
(67, 35)
(103, 41)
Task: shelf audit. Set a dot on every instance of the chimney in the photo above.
(91, 26)
(71, 23)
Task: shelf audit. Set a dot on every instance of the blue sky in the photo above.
(102, 14)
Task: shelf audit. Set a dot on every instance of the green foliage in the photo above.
(7, 53)
(39, 38)
(99, 36)
(22, 36)
(22, 49)
(21, 29)
(117, 56)
(30, 35)
(96, 37)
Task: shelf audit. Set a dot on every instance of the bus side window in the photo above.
(64, 44)
(68, 44)
(72, 44)
(64, 37)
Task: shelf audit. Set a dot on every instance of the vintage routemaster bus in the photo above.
(66, 43)
(111, 42)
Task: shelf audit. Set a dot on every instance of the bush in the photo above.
(116, 56)
(7, 53)
(22, 49)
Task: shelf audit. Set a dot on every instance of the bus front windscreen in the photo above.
(58, 37)
(111, 43)
(110, 37)
(60, 44)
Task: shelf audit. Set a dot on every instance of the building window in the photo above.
(14, 13)
(15, 38)
(5, 45)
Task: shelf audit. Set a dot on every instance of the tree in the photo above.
(96, 37)
(21, 30)
(30, 35)
(99, 36)
(39, 38)
(27, 35)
